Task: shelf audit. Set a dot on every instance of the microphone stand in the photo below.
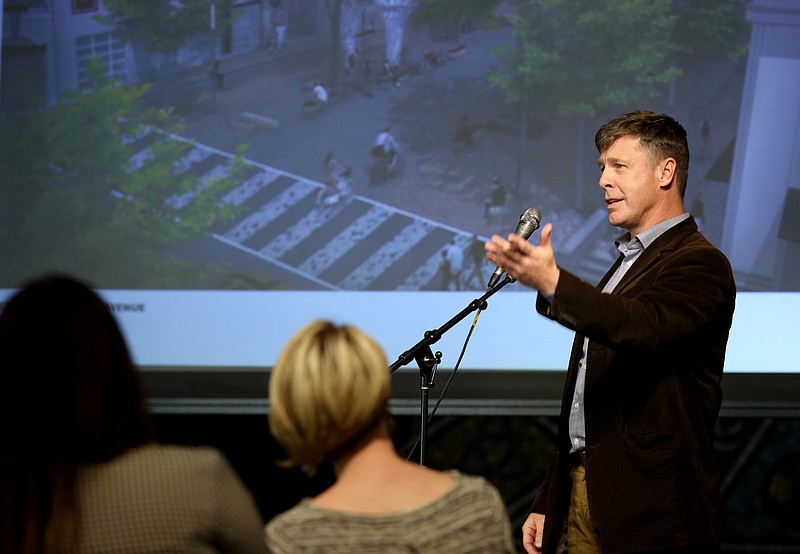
(427, 360)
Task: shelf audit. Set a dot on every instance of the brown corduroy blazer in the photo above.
(655, 360)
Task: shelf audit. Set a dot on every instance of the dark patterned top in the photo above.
(471, 517)
(159, 498)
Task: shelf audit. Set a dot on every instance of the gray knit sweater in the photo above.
(471, 517)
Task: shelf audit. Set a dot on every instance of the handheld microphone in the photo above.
(528, 223)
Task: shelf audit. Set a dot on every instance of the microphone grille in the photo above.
(532, 214)
(528, 222)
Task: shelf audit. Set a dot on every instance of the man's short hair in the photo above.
(658, 133)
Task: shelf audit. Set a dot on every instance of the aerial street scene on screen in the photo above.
(355, 145)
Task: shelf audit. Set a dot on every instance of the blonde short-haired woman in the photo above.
(329, 401)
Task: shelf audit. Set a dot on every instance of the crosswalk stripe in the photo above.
(337, 246)
(249, 187)
(356, 244)
(385, 255)
(256, 221)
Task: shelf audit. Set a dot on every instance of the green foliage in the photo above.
(74, 203)
(587, 56)
(163, 25)
(716, 24)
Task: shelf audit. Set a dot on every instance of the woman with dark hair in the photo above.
(80, 470)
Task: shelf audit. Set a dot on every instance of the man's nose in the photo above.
(603, 182)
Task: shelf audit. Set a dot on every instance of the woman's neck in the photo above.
(374, 454)
(372, 478)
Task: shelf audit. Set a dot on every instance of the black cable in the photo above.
(449, 380)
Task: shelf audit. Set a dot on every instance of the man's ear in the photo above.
(666, 172)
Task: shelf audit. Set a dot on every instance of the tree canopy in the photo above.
(73, 201)
(587, 56)
(163, 25)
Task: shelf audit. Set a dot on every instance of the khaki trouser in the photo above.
(581, 538)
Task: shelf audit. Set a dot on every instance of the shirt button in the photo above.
(575, 442)
(577, 405)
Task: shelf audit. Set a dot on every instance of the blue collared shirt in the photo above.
(630, 250)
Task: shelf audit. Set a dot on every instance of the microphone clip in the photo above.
(428, 362)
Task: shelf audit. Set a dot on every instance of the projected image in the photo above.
(373, 145)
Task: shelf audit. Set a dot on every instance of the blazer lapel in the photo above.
(666, 242)
(610, 272)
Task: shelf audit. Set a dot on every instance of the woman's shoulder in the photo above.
(171, 459)
(188, 477)
(177, 452)
(472, 487)
(295, 520)
(469, 482)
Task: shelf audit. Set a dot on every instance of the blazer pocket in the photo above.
(665, 439)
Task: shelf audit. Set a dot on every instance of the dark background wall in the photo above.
(510, 443)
